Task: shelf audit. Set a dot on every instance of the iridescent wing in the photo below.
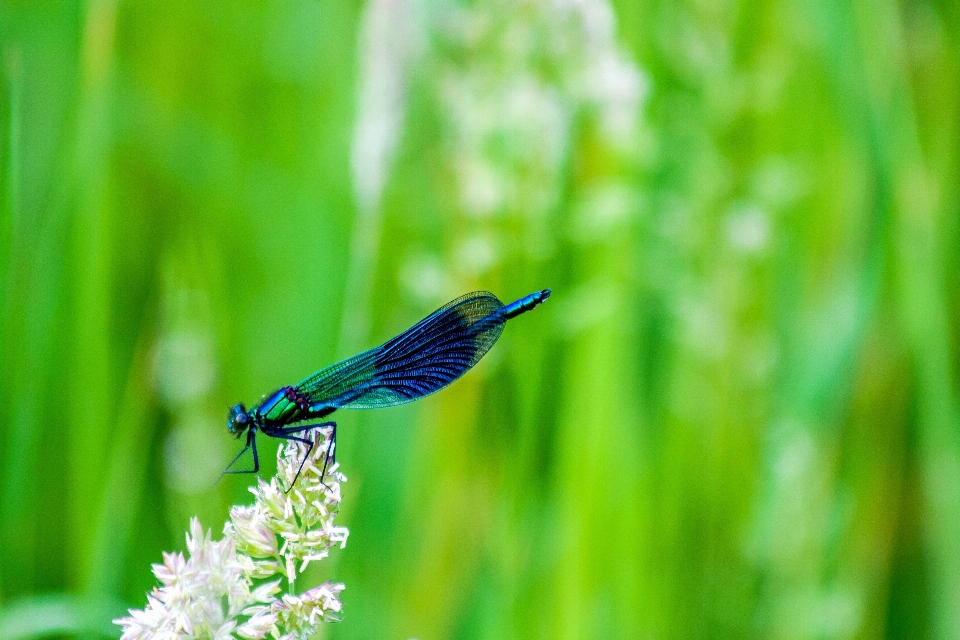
(425, 358)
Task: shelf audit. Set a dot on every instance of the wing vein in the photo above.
(423, 359)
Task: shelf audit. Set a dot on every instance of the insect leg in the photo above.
(331, 452)
(251, 443)
(280, 434)
(285, 433)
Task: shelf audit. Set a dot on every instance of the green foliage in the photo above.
(736, 417)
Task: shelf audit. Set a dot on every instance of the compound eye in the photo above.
(241, 418)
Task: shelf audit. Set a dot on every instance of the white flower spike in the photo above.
(229, 588)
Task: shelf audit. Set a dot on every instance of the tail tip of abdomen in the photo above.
(526, 303)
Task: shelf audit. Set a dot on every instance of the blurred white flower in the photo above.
(602, 211)
(748, 229)
(476, 255)
(390, 42)
(423, 277)
(516, 80)
(193, 450)
(225, 587)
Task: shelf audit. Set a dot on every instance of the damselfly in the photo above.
(425, 358)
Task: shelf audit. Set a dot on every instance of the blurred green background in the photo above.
(737, 417)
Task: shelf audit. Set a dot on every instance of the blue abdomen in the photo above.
(525, 304)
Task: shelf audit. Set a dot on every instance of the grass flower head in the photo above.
(229, 588)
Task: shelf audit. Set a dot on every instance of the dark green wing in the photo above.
(425, 358)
